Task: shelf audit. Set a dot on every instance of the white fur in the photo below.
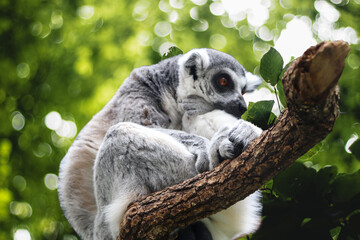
(161, 138)
(238, 220)
(206, 125)
(252, 81)
(172, 108)
(243, 217)
(114, 212)
(202, 52)
(186, 82)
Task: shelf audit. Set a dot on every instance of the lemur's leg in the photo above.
(197, 145)
(133, 161)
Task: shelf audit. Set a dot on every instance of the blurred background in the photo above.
(62, 60)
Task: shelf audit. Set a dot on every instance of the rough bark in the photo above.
(312, 99)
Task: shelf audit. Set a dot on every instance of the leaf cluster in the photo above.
(312, 204)
(272, 70)
(302, 202)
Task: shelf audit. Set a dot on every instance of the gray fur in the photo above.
(228, 143)
(161, 127)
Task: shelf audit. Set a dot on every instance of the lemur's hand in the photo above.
(229, 143)
(242, 134)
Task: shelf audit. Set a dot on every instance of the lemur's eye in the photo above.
(243, 91)
(223, 81)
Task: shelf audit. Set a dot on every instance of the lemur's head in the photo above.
(217, 78)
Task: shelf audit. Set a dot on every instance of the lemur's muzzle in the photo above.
(235, 107)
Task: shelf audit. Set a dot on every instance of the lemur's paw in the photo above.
(242, 134)
(226, 150)
(220, 147)
(202, 162)
(229, 143)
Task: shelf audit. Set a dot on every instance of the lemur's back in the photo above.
(76, 187)
(76, 190)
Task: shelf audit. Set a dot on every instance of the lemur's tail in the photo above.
(75, 189)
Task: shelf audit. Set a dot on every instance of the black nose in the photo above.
(242, 109)
(235, 107)
(236, 110)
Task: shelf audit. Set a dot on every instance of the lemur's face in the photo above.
(217, 78)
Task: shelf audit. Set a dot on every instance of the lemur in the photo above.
(166, 123)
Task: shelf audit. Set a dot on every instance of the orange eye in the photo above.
(243, 92)
(223, 82)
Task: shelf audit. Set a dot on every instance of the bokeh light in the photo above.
(21, 209)
(23, 70)
(19, 183)
(86, 12)
(22, 234)
(62, 127)
(51, 181)
(295, 38)
(18, 121)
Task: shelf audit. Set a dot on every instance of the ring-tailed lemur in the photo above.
(166, 123)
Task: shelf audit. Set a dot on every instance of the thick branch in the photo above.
(312, 96)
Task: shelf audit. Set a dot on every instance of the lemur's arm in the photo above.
(197, 145)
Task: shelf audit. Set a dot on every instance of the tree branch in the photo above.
(312, 99)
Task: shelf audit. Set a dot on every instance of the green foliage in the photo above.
(260, 114)
(66, 59)
(271, 70)
(312, 152)
(173, 51)
(271, 66)
(355, 148)
(281, 93)
(280, 87)
(311, 204)
(346, 186)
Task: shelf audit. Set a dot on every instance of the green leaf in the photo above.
(355, 148)
(280, 89)
(284, 69)
(245, 114)
(354, 222)
(295, 181)
(272, 119)
(271, 66)
(259, 113)
(268, 184)
(173, 51)
(323, 178)
(335, 232)
(312, 152)
(345, 186)
(327, 173)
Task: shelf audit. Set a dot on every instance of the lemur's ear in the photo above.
(252, 82)
(194, 62)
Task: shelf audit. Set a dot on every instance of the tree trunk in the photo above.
(312, 99)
